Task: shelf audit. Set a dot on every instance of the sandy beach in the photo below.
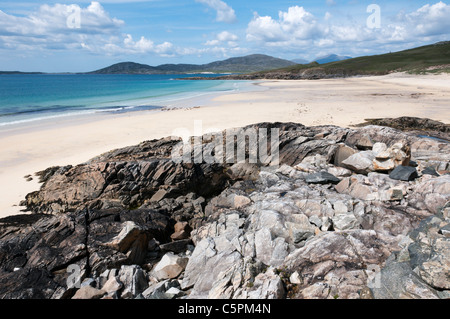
(343, 102)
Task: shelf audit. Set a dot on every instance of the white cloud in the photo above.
(265, 29)
(224, 37)
(224, 12)
(294, 25)
(52, 28)
(429, 20)
(297, 29)
(49, 20)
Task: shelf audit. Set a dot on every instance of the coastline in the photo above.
(28, 149)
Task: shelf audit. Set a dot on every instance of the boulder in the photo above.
(322, 178)
(430, 171)
(129, 234)
(383, 165)
(342, 153)
(170, 266)
(182, 230)
(404, 173)
(88, 292)
(361, 162)
(345, 221)
(134, 280)
(257, 231)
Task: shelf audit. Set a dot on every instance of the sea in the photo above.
(28, 98)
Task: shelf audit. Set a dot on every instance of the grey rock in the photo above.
(445, 230)
(170, 266)
(253, 227)
(404, 173)
(342, 153)
(134, 280)
(322, 178)
(345, 221)
(430, 171)
(361, 162)
(398, 281)
(112, 285)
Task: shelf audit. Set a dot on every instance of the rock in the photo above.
(295, 279)
(342, 153)
(378, 149)
(322, 178)
(134, 281)
(127, 237)
(316, 220)
(174, 293)
(431, 195)
(404, 173)
(241, 201)
(425, 273)
(445, 231)
(176, 247)
(159, 195)
(253, 228)
(340, 172)
(398, 281)
(345, 221)
(182, 231)
(383, 165)
(158, 290)
(267, 286)
(88, 292)
(365, 143)
(89, 282)
(243, 171)
(112, 285)
(170, 266)
(396, 194)
(361, 162)
(430, 171)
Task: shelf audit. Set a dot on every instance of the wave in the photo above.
(65, 112)
(73, 96)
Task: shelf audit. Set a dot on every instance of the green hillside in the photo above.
(427, 59)
(246, 64)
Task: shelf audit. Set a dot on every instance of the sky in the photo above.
(81, 36)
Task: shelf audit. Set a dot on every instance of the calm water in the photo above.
(26, 98)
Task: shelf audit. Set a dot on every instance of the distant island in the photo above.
(246, 64)
(433, 58)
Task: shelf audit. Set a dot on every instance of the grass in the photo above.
(433, 58)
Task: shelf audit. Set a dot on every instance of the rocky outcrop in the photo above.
(328, 222)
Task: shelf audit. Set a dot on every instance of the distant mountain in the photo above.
(434, 58)
(126, 68)
(246, 64)
(300, 61)
(331, 58)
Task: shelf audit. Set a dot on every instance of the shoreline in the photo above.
(342, 102)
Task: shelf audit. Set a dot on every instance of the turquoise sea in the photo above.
(33, 97)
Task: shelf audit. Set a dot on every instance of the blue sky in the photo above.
(76, 36)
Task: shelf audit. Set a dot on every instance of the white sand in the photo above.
(343, 102)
